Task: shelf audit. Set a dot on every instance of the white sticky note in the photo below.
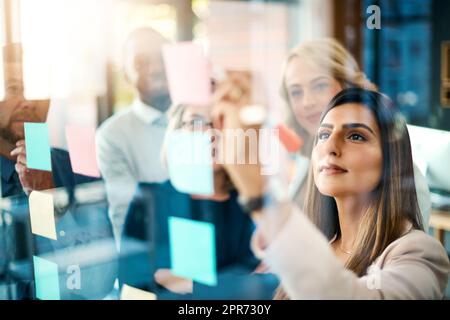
(131, 293)
(42, 214)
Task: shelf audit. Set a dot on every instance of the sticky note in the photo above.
(190, 163)
(42, 214)
(130, 293)
(291, 141)
(37, 144)
(193, 250)
(46, 279)
(81, 144)
(188, 73)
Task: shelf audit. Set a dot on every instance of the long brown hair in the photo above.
(394, 199)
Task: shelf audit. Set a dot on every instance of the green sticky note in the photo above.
(46, 279)
(190, 163)
(37, 144)
(193, 250)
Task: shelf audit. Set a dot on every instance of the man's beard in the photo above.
(9, 135)
(159, 101)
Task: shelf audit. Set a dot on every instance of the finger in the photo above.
(18, 150)
(20, 169)
(20, 143)
(22, 159)
(14, 152)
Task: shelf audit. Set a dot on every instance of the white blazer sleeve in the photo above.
(308, 269)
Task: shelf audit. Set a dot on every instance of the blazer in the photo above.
(415, 266)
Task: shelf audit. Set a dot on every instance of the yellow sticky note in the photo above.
(130, 293)
(42, 214)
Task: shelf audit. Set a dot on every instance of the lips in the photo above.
(331, 169)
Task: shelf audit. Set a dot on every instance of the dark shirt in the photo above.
(146, 223)
(63, 175)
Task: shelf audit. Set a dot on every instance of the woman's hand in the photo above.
(230, 97)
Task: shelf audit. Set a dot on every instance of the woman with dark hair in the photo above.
(361, 234)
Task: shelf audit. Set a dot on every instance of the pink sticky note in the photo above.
(81, 143)
(188, 73)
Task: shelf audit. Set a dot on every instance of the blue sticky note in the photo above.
(190, 163)
(37, 144)
(193, 250)
(46, 279)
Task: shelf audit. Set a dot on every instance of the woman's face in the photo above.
(347, 159)
(309, 89)
(199, 119)
(196, 118)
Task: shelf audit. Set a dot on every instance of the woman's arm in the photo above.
(415, 266)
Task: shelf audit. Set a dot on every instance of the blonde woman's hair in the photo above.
(329, 54)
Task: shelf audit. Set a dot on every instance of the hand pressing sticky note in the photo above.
(46, 279)
(42, 214)
(37, 145)
(188, 73)
(189, 160)
(193, 250)
(130, 293)
(291, 141)
(81, 143)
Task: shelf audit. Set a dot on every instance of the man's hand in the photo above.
(30, 179)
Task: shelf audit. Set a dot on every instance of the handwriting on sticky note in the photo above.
(46, 279)
(193, 250)
(291, 141)
(37, 144)
(42, 214)
(190, 162)
(131, 293)
(81, 144)
(188, 73)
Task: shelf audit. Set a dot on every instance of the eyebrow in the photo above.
(319, 78)
(349, 126)
(295, 85)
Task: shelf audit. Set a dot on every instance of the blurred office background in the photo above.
(72, 54)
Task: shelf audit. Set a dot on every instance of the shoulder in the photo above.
(417, 247)
(416, 242)
(116, 123)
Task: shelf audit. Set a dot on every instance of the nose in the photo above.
(333, 146)
(309, 100)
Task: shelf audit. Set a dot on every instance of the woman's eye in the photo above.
(321, 86)
(323, 135)
(357, 137)
(296, 93)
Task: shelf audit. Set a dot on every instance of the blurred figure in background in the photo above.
(15, 110)
(129, 143)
